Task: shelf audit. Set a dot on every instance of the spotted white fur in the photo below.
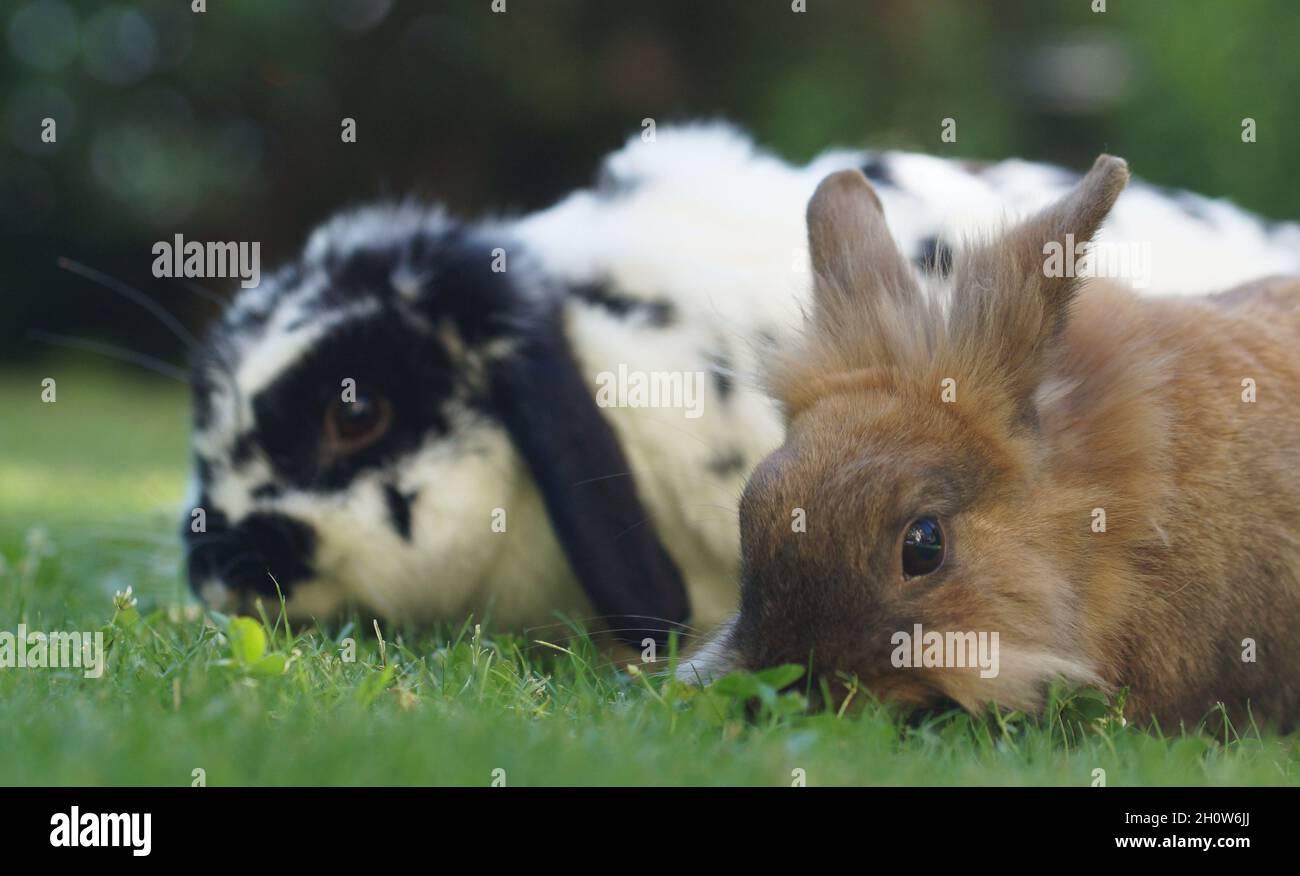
(699, 220)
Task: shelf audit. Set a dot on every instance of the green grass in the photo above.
(88, 492)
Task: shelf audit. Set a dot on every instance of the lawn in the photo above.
(89, 491)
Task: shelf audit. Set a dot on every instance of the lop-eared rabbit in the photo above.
(1101, 486)
(408, 418)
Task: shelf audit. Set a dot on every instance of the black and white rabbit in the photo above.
(475, 468)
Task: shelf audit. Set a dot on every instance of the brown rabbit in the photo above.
(1102, 487)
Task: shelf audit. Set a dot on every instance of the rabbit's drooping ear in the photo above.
(587, 485)
(856, 265)
(1011, 298)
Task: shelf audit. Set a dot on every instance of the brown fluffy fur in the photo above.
(1071, 396)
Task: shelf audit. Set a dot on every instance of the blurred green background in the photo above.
(225, 125)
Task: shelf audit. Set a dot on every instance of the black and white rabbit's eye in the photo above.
(922, 547)
(353, 425)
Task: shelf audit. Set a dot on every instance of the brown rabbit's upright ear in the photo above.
(1010, 300)
(856, 264)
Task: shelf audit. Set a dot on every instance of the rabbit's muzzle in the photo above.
(262, 556)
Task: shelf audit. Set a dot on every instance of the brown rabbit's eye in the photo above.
(922, 547)
(353, 425)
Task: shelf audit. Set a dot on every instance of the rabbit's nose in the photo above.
(230, 565)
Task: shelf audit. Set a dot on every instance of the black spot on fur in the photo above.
(727, 462)
(365, 268)
(266, 491)
(877, 170)
(242, 451)
(655, 312)
(457, 280)
(721, 368)
(399, 510)
(934, 256)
